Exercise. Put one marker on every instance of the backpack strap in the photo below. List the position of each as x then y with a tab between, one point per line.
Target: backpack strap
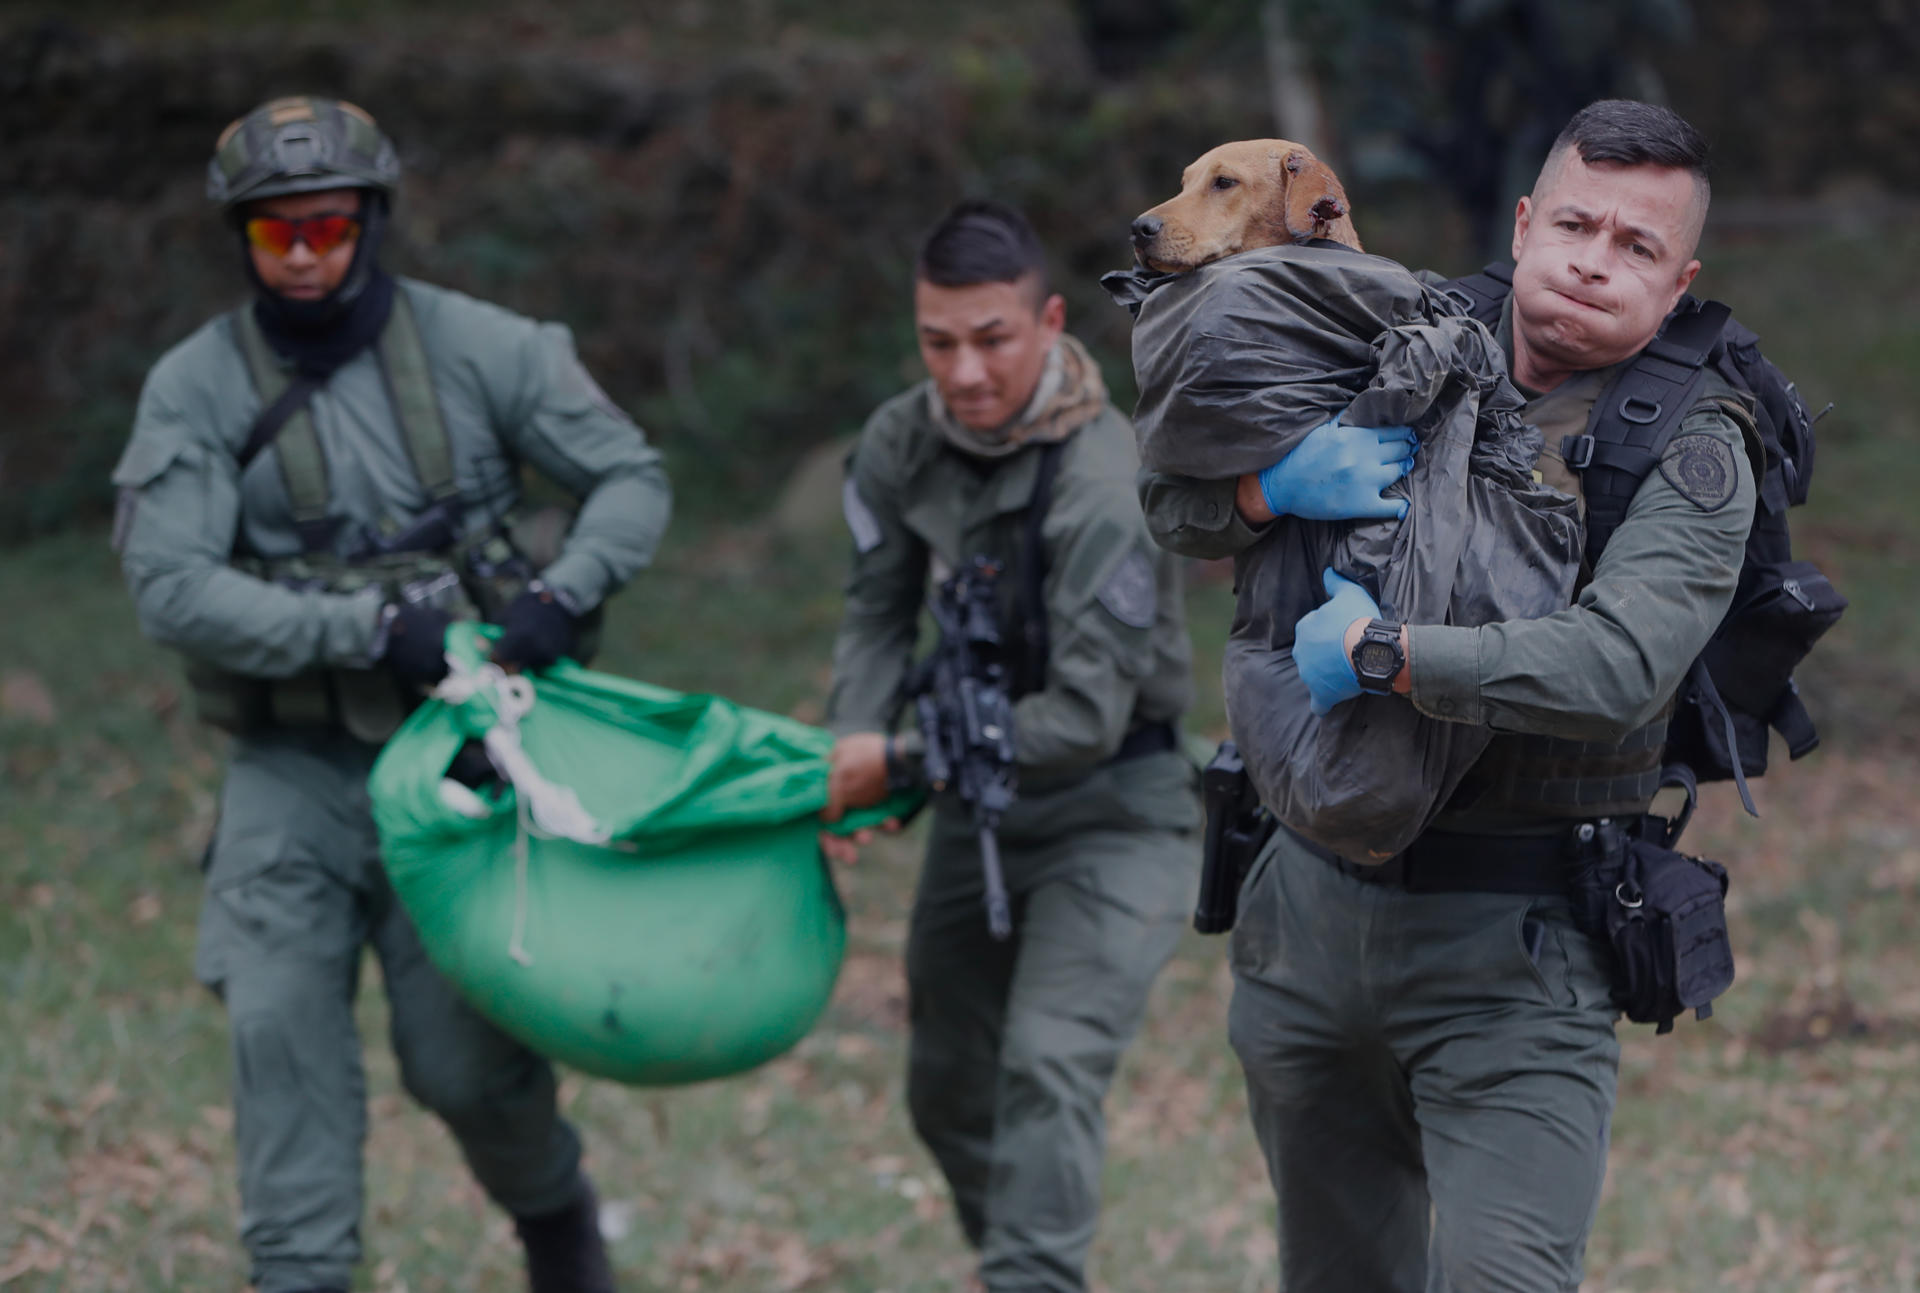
403	362
1636	415
286	423
1033	569
1482	295
1715	705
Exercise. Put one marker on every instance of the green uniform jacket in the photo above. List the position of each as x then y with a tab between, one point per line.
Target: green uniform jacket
918	507
1612	661
510	391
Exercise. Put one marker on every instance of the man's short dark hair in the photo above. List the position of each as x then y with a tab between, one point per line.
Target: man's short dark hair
983	241
1628	132
1635	134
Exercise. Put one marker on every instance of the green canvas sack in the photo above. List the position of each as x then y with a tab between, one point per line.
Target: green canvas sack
643	897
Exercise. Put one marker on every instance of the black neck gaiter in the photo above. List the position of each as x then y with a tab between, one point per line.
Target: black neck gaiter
319	336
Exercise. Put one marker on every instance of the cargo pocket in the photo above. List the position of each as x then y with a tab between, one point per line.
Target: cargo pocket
268	897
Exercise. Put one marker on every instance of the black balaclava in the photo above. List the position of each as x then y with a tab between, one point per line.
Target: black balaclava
319	336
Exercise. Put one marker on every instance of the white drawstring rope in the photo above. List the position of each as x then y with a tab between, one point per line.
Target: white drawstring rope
541	807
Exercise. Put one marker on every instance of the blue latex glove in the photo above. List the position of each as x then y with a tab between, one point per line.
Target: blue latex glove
1338	471
1320	642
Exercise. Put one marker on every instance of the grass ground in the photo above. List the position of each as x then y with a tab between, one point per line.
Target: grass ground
1774	1148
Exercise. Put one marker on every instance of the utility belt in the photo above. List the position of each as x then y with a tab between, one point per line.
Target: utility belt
1148	738
469	579
1661	912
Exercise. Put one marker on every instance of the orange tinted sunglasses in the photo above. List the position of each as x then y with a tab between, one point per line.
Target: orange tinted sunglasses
321	233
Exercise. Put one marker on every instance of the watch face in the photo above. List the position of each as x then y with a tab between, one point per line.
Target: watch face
1375	659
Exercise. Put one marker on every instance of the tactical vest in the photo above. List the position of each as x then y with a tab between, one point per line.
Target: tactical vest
425	560
1525	776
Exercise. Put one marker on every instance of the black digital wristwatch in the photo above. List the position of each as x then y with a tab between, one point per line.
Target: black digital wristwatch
1378	657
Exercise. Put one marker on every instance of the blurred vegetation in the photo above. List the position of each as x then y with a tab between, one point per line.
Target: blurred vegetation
723	197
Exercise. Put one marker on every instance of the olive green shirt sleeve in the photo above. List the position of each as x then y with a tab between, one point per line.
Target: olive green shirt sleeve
550	412
178	512
1101	600
1194	518
885	586
1606	665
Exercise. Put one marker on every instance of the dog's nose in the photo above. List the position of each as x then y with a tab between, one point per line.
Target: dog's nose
1147	228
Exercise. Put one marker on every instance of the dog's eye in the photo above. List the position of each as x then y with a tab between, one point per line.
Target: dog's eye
1224	182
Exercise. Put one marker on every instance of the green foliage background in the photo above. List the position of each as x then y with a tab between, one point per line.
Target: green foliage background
723	197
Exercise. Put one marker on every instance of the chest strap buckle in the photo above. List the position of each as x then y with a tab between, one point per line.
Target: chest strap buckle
1577	451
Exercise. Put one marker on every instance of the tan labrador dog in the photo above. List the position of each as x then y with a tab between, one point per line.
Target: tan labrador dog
1253	193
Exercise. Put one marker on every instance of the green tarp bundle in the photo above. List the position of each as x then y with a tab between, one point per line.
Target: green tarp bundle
644	899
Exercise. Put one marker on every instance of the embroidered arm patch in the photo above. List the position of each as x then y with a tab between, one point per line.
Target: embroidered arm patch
860	518
1701	468
1130	593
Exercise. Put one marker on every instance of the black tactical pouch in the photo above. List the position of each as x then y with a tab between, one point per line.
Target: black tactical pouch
1662	912
1668	927
1742	684
1238	827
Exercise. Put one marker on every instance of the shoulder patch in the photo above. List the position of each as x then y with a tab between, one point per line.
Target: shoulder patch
1701	468
1130	593
860	518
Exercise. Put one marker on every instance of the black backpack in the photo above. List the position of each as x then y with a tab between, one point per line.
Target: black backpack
1742	683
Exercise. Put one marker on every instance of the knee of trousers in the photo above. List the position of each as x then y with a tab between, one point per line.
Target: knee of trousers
1058	1058
291	1022
1515	1255
462	1090
949	1092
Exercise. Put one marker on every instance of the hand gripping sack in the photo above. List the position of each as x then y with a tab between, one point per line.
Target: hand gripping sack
643	897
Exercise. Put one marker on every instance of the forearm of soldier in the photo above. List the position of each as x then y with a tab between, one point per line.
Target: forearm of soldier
615	536
1066	726
1195	518
249	626
1605	666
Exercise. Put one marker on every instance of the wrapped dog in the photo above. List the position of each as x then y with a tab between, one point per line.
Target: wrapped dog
1258	318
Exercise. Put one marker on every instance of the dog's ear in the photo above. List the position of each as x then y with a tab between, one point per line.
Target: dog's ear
1316	205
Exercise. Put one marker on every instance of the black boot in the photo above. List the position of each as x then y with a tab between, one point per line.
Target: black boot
565	1253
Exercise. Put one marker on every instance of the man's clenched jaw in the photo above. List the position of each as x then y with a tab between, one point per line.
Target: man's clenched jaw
1601	253
985	346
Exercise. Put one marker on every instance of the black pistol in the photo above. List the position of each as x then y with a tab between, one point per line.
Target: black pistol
1238	827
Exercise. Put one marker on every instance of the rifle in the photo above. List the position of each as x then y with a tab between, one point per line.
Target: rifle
966	716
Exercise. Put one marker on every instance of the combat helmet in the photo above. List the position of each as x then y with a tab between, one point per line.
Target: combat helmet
298	145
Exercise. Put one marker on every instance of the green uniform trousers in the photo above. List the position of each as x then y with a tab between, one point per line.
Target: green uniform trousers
1014	1044
294	890
1431	1078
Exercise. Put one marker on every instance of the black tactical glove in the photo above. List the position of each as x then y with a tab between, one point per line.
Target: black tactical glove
416	651
536	630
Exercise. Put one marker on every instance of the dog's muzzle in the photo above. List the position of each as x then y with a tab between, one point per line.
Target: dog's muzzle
1146	228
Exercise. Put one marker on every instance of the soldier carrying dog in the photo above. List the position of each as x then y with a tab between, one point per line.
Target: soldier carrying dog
1429	1044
